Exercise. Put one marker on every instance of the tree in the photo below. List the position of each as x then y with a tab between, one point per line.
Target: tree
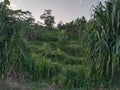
75	28
48	18
59	25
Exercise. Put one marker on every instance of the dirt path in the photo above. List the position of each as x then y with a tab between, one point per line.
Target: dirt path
7	85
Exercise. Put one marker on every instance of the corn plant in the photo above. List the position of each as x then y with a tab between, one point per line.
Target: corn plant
104	40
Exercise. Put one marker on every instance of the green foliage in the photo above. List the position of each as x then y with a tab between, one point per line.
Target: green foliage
70	76
48	18
14	54
60	56
75	76
48	36
74	29
44	69
7	2
104	40
62	36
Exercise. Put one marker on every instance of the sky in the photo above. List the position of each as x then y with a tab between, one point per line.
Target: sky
63	10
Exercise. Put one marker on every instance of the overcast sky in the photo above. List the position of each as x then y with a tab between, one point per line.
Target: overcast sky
63	10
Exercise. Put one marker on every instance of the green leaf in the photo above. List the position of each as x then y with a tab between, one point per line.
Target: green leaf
11	12
17	11
7	2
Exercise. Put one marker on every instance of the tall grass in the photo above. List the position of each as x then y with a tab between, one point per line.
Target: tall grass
44	69
14	54
65	76
104	39
76	76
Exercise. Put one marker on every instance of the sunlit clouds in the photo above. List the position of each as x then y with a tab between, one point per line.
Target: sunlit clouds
12	5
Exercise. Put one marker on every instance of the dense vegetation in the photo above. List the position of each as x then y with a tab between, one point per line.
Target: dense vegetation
79	54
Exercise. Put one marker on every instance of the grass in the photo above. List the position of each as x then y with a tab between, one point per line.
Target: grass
58	61
104	41
74	71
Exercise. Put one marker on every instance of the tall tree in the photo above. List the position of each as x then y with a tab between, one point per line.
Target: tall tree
48	18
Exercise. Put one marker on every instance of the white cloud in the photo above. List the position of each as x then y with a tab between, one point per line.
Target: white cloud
12	5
